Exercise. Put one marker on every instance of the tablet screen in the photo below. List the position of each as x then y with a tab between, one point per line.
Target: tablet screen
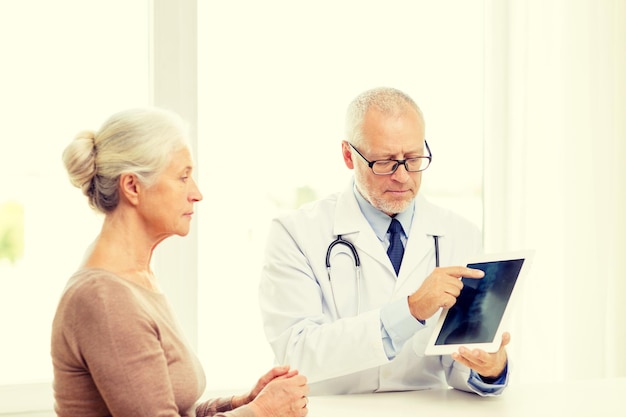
479	308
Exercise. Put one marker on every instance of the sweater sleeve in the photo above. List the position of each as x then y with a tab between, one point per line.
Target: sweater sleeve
121	348
222	407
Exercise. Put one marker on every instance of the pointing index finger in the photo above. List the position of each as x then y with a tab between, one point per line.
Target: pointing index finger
463	272
472	273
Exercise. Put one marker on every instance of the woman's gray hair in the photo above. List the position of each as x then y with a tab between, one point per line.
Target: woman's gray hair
138	141
387	100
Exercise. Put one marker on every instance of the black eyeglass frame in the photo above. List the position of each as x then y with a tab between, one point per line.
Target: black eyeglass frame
397	161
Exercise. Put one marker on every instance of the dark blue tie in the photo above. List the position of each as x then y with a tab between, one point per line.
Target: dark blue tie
396	250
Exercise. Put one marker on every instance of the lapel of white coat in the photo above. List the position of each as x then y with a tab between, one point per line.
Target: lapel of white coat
350	223
426	223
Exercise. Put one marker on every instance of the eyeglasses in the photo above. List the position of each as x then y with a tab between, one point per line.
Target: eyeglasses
389	166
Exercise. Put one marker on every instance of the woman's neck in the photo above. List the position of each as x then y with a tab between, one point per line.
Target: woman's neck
125	252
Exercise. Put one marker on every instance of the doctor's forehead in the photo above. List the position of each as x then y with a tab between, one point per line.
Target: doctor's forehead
403	135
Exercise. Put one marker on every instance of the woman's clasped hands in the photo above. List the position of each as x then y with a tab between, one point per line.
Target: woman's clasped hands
281	392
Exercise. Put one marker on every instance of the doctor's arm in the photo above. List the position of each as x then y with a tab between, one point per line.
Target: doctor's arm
298	319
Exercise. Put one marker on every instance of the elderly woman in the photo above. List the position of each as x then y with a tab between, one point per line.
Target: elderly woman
116	347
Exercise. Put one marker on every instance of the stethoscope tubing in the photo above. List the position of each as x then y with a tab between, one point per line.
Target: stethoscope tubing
357	264
341	241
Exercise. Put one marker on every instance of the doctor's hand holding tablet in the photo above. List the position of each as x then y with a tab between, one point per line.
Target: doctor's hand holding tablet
471	325
440	290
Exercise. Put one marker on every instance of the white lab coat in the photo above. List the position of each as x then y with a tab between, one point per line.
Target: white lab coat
339	351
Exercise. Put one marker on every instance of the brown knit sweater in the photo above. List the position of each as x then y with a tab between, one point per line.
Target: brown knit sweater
117	351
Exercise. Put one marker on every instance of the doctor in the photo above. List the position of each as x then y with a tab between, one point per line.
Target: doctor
333	303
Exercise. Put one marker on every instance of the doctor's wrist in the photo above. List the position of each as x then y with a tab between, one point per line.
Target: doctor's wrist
415	311
499	379
489	380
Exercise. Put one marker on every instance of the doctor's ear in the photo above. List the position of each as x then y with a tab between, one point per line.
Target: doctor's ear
347	154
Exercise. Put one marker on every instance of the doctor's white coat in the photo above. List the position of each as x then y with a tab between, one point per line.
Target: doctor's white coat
312	322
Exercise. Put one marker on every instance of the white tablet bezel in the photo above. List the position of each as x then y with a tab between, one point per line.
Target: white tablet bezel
493	345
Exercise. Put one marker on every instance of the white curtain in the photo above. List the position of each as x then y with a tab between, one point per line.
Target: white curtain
555	179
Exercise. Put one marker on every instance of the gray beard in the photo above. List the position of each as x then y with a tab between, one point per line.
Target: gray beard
391	208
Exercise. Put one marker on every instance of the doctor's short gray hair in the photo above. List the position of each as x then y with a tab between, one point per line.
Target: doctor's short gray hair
386	99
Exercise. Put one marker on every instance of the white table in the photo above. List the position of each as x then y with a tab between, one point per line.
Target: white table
588	398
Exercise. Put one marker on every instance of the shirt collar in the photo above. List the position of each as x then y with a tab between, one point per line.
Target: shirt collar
379	221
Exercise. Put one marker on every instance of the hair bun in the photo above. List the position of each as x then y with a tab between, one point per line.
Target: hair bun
87	135
79	158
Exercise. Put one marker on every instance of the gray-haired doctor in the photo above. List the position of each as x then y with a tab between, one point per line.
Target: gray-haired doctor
352	284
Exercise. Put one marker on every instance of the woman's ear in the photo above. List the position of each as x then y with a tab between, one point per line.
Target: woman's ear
130	188
347	154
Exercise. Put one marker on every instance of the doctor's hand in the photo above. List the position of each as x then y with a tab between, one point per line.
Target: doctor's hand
488	365
279	393
440	290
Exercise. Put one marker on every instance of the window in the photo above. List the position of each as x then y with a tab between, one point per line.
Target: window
60	75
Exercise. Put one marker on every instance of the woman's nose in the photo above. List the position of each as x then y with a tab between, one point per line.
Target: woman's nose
196	195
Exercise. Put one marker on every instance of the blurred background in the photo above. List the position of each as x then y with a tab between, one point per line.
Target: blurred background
525	105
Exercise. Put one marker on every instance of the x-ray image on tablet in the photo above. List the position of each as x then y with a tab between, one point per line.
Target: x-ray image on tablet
477	317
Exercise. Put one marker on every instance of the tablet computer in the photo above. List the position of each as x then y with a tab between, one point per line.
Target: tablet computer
480	313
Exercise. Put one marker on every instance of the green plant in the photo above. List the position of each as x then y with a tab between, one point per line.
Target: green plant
11	231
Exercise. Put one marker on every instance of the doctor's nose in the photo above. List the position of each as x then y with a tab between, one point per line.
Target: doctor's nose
400	174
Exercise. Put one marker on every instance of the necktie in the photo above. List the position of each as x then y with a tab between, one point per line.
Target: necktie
395	250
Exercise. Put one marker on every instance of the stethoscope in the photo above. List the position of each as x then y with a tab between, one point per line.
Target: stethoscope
357	265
